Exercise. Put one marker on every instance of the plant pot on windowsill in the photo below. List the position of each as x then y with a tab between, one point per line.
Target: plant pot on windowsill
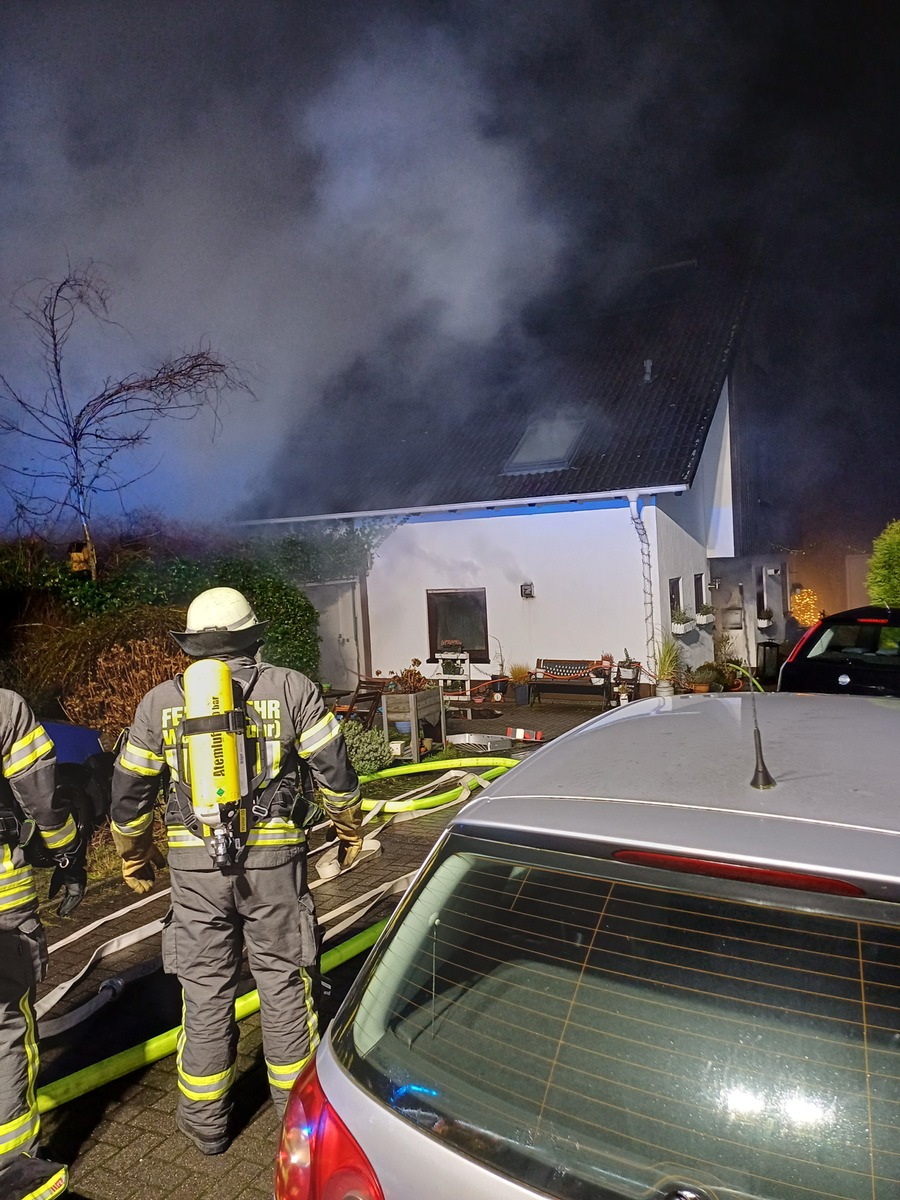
681	627
706	619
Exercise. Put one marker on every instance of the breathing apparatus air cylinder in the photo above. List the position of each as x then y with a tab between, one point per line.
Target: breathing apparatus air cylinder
213	732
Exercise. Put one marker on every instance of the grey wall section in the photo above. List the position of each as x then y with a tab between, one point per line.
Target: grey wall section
338	606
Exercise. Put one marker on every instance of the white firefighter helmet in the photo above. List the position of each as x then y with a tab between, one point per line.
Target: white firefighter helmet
220	621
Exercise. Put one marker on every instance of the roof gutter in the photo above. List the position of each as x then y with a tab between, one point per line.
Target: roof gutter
471	506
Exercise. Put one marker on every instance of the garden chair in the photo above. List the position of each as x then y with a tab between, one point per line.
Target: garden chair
365	702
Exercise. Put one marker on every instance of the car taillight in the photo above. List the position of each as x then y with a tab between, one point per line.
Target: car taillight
803	640
318	1158
740	872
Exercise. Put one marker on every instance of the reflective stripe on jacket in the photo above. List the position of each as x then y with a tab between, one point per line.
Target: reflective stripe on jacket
29	778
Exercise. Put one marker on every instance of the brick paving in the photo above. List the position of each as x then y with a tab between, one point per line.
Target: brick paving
120	1140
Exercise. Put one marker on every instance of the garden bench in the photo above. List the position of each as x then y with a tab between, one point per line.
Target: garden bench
570	677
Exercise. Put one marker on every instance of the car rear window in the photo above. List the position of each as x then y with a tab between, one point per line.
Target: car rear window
874	644
591	1035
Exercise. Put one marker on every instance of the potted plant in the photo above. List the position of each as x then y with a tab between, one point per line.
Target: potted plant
668	666
626	666
735	673
409	680
410	699
520	678
450	657
706	677
706	614
682	621
765	619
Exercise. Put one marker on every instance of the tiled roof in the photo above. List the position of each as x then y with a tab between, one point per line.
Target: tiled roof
638	434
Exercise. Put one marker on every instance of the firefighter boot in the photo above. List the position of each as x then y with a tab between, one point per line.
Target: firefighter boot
206	1145
27	1178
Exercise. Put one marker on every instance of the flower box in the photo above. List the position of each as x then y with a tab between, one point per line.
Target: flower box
679	627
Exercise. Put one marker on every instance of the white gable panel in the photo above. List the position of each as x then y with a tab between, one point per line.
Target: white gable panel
713	483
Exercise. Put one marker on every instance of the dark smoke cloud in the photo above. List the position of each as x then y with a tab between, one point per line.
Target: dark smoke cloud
430	195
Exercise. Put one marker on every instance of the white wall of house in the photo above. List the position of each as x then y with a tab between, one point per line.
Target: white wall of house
691	527
584	562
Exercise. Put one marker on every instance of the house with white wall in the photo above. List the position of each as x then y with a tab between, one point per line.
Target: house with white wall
562	522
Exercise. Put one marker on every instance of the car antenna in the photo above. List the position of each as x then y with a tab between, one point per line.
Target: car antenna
761	776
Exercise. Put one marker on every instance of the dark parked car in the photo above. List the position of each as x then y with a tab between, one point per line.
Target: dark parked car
855	652
624	972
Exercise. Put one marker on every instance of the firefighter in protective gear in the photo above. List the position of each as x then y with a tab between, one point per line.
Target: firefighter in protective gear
31	807
242	883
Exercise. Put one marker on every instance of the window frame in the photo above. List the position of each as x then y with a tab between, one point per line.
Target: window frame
477	654
699	590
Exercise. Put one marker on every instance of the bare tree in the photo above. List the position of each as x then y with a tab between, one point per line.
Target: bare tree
79	440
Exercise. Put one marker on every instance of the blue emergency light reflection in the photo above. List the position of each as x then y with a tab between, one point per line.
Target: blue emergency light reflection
411	1088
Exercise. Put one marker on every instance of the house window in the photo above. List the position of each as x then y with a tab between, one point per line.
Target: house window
699	591
546	445
674	594
459	614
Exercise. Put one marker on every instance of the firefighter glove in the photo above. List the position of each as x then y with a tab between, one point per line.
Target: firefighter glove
69	876
139	856
348	827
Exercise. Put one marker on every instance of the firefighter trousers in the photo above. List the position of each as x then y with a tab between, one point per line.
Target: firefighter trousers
23	963
214	916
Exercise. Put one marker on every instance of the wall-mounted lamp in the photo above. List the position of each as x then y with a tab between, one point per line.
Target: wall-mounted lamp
715	583
526	591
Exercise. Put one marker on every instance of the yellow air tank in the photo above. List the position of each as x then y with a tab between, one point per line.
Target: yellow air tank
214	758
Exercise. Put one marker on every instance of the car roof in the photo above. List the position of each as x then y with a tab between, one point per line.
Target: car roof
866	612
675	774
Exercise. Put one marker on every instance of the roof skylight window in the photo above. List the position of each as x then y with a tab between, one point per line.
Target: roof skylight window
546	445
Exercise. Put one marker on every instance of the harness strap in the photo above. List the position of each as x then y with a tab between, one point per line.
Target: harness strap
230	722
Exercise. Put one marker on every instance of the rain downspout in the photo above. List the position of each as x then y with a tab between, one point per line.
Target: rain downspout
646	579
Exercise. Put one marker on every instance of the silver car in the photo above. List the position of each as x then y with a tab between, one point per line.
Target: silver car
626	972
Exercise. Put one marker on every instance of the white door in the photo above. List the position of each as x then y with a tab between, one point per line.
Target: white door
337	606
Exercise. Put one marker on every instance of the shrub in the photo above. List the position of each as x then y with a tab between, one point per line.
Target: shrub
883	579
55	658
368	750
58	623
123	675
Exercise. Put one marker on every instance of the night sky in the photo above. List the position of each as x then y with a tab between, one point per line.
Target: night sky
304	185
